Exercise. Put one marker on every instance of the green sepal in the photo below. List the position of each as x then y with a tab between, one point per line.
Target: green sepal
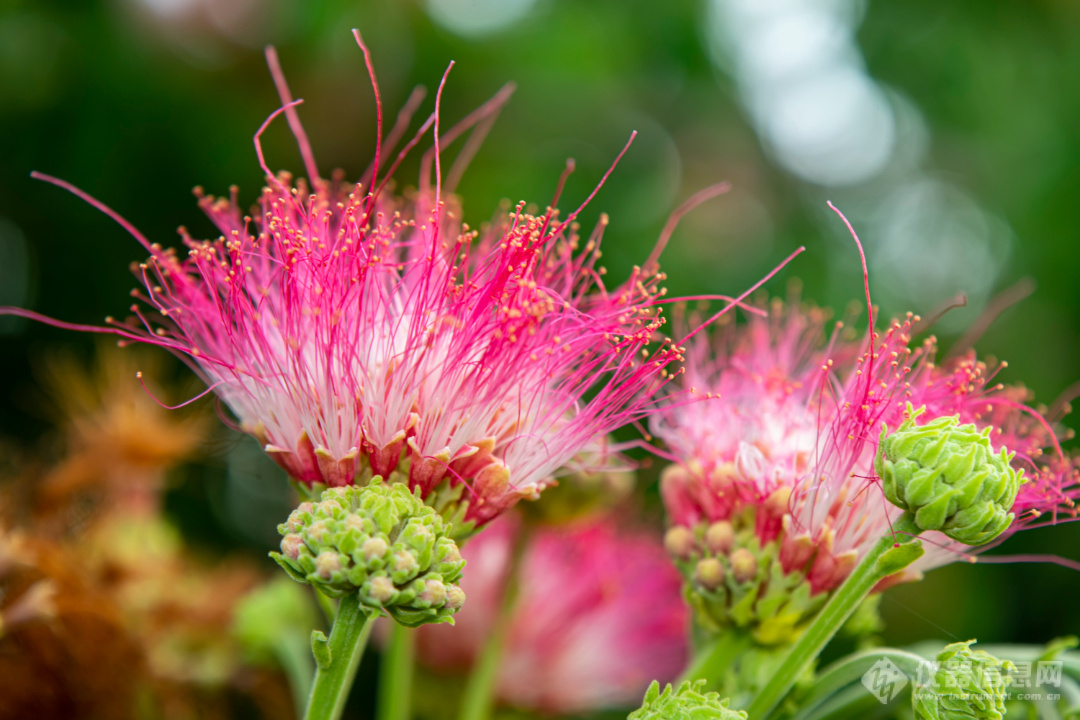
288	567
897	558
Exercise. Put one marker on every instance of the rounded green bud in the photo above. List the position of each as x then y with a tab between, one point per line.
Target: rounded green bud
720	537
380	541
963	684
328	565
709	573
380	589
290	545
744	565
374	549
434	593
948	477
455	597
686	703
680	542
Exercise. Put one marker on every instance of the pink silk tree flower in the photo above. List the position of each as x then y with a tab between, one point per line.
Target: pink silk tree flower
357	333
774	486
597	616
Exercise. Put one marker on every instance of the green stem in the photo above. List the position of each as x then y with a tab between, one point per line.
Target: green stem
712	662
326	604
293	653
352	626
856	703
396	675
847	671
837	610
478	698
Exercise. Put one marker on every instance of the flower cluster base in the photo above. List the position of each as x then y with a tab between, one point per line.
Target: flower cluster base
380	541
733	579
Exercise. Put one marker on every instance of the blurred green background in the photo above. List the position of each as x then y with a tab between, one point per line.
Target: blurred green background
947	131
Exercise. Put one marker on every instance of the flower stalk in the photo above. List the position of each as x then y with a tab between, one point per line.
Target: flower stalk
889	555
479	696
396	675
332	683
711	662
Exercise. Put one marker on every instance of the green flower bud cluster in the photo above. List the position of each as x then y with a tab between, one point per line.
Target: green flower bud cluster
731	579
686	703
948	477
964	684
450	500
380	541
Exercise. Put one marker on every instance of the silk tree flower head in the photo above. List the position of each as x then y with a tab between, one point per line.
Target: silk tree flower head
358	333
596	617
774	498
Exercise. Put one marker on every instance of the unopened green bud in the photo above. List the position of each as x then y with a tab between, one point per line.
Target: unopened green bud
720	537
455	597
709	573
290	546
317	532
686	703
679	542
380	541
448	557
434	593
299	517
403	567
948	477
743	565
963	684
327	563
374	549
381	589
356	522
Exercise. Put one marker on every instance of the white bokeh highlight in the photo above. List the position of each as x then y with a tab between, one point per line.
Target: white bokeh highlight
802	81
477	18
804	84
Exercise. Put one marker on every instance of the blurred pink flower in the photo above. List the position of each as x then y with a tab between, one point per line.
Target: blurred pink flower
598	615
789	425
351	330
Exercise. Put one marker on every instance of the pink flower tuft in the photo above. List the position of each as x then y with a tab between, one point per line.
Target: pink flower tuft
598	616
790	422
352	331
